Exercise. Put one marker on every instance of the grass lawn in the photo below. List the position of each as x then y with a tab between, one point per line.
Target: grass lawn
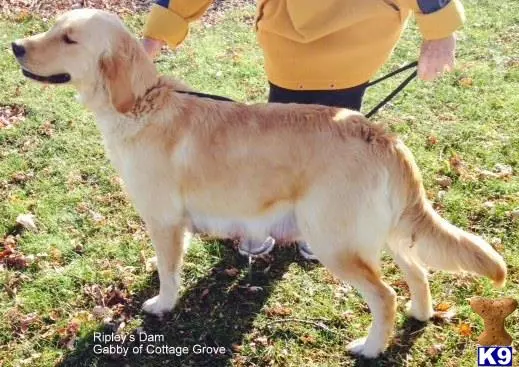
84	269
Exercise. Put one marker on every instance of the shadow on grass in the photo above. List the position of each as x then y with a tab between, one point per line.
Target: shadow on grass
216	311
400	347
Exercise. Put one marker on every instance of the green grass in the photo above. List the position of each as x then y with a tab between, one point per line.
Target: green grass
79	255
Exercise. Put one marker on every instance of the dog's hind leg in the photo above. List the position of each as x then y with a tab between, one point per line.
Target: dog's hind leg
415	276
365	275
168	242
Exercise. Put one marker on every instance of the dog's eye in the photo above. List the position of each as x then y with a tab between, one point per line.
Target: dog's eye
67	40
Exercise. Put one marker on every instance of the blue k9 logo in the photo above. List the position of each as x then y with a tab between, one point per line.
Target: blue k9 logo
494	356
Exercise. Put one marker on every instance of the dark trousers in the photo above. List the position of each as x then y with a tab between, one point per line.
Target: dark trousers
347	98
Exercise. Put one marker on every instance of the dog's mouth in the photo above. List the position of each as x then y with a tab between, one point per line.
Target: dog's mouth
51	79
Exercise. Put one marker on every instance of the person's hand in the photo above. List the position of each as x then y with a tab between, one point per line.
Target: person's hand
152	46
436	57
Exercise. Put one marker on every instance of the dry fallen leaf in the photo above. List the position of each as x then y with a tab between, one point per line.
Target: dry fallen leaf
96	217
444	181
278	311
231	272
261	340
47	129
205	292
237	348
307	339
68	334
465	82
11	115
100	312
434	350
27	221
21	177
443	306
465	329
10	241
55	254
15	261
504	170
431	140
27	321
115	297
254	289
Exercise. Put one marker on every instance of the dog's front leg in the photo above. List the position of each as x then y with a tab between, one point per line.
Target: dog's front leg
168	243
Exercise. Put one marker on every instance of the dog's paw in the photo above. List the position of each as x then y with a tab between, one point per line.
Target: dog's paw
422	313
157	306
359	348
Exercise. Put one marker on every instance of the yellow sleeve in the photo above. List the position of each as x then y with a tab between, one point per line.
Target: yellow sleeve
169	20
441	23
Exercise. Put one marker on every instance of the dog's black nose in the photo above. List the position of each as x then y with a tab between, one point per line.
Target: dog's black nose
18	50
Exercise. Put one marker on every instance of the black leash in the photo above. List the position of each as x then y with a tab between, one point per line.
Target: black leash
368	115
205	95
397	90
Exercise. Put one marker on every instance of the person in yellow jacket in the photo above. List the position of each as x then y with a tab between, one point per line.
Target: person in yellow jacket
324	52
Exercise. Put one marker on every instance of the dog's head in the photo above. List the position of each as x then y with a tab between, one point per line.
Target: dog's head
90	49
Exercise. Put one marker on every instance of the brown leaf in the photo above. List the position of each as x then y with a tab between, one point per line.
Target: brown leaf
465	82
237	348
261	340
79	249
434	350
204	294
15	261
20	177
278	311
68	334
431	140
443	306
55	314
307	339
100	312
27	321
114	297
55	254
444	181
10	241
8	250
231	272
11	115
456	163
465	329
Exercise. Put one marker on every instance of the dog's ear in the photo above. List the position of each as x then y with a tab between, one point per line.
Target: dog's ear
116	69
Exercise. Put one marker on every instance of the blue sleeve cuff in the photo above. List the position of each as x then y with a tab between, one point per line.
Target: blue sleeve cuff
430	6
163	3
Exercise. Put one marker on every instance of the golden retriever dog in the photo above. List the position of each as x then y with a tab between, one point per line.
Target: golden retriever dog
294	172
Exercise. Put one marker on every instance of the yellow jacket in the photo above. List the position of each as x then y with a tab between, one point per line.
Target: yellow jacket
317	44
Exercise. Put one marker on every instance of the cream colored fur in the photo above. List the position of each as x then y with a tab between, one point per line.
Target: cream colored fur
297	172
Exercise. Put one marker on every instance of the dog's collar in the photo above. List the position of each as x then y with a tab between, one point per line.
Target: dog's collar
53	79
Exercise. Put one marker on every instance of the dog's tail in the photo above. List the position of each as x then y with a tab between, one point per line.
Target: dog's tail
436	242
